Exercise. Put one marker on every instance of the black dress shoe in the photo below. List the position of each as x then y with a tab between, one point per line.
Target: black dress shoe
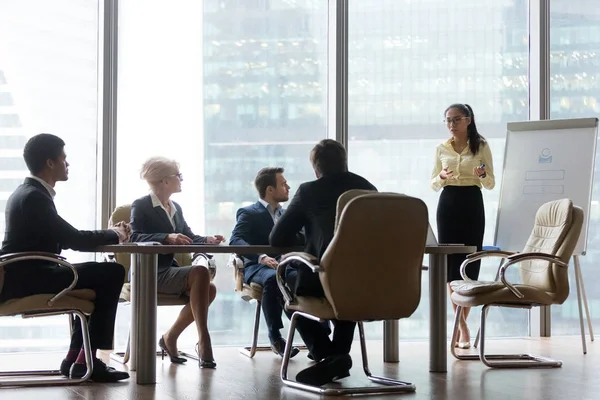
278	347
174	358
101	372
65	367
204	363
328	370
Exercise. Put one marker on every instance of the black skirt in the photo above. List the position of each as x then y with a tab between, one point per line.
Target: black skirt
461	219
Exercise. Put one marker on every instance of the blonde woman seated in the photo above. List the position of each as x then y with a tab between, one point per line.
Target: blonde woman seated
156	218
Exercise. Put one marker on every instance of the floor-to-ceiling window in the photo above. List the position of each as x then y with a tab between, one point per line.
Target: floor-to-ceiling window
408	61
575	93
48	83
225	88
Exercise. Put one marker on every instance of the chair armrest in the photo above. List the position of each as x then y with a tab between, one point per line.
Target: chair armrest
480	255
537	256
6	257
305	258
235	261
517	258
42	256
490	253
207	261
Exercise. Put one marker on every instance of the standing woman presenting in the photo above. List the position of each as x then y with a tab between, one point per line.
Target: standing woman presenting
463	164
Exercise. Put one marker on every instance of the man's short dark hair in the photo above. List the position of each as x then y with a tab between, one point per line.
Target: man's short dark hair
41	148
266	177
329	157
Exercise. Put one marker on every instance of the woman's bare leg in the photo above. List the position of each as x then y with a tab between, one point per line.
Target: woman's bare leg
202	292
185	317
463	329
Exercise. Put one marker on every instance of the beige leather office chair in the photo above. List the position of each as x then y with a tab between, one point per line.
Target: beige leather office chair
68	301
123	214
543	266
364	280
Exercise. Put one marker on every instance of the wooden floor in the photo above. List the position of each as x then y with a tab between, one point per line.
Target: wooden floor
238	377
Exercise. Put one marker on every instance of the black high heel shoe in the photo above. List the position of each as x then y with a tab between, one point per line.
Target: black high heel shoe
204	363
174	359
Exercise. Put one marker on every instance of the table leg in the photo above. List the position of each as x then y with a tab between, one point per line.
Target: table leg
145	341
391	352
437	313
133	327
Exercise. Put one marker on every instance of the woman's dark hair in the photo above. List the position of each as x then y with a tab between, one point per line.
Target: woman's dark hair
475	139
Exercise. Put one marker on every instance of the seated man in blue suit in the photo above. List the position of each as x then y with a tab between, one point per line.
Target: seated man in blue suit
253	226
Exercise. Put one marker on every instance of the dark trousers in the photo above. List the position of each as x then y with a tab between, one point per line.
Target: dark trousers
461	219
272	300
106	279
315	334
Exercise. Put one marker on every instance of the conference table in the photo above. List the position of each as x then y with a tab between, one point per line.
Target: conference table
144	260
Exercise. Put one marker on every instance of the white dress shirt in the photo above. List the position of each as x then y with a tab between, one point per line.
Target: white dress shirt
49	188
156	203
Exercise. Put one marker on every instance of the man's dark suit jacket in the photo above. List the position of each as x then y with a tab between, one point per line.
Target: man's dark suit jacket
314	208
151	224
33	224
253	226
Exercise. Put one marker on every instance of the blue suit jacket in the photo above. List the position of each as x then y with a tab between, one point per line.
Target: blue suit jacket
151	224
253	227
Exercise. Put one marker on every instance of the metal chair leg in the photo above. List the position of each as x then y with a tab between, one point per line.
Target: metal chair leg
249	351
122	357
476	343
499	360
388	385
30	375
454	339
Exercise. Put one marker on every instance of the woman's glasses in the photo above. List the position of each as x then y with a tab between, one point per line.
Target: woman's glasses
178	175
455	120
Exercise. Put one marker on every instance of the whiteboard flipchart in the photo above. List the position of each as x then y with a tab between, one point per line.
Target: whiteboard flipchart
544	161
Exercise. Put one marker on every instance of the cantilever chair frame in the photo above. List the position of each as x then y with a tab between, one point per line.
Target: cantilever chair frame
503	360
42	256
486	254
235	261
390	385
581	296
249	351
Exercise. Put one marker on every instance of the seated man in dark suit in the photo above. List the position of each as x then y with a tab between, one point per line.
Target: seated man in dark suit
314	209
33	224
253	226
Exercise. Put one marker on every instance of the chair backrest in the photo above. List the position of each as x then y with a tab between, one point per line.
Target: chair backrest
372	267
344	199
556	231
123	214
